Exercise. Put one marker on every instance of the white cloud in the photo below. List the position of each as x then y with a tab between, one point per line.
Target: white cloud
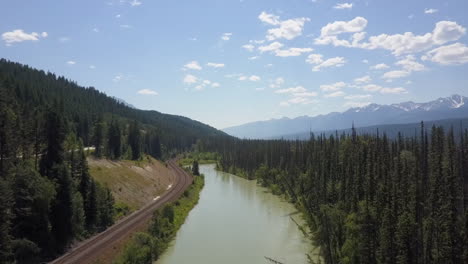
364	79
274	46
96	30
254	78
215	85
253	57
259	89
92	67
384	90
249	47
332	87
118	16
410	64
334	94
343	6
352	104
190	79
444	31
70	62
125	26
292	52
135	3
372	88
329	33
320	63
287	29
269	18
305	94
242	78
454	54
291	90
395	74
193	65
358	97
398	90
365	61
275	84
199	87
18	35
215	65
380	66
226	36
398	44
147	92
430	11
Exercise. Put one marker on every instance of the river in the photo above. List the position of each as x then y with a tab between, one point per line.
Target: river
237	221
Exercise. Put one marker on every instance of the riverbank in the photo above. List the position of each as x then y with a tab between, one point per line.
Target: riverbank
147	246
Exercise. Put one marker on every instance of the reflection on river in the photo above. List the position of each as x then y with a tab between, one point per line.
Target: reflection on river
237	221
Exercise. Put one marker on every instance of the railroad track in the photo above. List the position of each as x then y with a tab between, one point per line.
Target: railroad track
90	250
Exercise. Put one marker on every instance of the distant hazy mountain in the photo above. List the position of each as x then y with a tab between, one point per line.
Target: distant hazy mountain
453	107
391	130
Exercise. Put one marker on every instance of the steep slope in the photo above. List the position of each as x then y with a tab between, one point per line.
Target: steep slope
455	106
37	90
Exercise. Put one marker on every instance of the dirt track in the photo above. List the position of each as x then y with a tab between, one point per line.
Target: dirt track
90	250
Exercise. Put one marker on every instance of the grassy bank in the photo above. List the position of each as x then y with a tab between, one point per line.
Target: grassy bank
146	247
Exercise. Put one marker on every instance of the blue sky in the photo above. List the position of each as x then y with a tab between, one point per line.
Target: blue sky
227	62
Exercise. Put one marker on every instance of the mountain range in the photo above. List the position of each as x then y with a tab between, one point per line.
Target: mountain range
453	107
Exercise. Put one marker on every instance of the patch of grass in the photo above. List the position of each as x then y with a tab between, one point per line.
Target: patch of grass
202	157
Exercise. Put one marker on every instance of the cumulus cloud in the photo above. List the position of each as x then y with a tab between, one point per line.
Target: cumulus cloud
398	44
320	63
226	36
395	74
287	29
70	62
364	79
332	87
253	78
193	65
272	47
18	35
215	85
298	95
215	65
380	66
454	54
343	6
190	79
253	57
410	64
147	92
292	52
292	90
329	33
249	47
269	18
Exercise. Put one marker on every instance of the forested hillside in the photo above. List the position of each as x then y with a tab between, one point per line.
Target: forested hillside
369	199
48	200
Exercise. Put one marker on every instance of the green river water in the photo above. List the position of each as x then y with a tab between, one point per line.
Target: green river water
237	221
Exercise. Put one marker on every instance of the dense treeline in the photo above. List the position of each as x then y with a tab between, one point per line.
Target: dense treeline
369	199
47	196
